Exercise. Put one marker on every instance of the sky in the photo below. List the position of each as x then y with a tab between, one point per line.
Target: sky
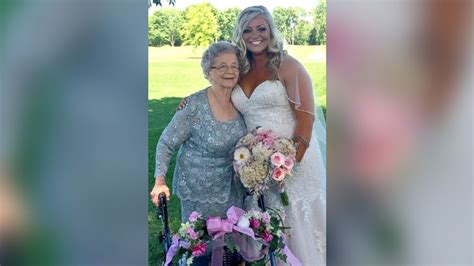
223	4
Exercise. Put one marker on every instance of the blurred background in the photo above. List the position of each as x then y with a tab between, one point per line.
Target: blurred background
399	82
74	132
73	176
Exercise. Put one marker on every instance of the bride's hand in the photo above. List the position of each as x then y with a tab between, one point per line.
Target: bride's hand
182	104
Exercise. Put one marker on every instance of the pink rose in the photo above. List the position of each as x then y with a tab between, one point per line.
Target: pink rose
263	132
265	135
199	249
254	223
192	234
278	174
268	141
278	159
288	164
266	217
194	216
266	236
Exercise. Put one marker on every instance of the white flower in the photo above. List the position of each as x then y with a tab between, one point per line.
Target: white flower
243	222
268	227
255	214
183	230
261	152
279	233
246	139
189	261
284	146
253	173
241	154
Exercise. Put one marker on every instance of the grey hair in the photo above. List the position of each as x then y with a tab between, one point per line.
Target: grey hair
216	49
275	48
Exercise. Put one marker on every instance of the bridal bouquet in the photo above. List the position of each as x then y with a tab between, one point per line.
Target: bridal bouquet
192	239
262	159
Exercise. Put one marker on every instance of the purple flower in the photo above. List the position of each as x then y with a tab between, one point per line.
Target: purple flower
289	163
266	217
192	234
194	216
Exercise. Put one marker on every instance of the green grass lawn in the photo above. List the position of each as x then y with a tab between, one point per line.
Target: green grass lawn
175	72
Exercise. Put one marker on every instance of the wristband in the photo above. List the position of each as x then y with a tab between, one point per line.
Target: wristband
300	139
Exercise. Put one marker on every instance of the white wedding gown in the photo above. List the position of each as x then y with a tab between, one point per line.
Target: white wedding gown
268	107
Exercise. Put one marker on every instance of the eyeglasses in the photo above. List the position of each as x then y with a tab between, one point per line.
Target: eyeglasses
223	68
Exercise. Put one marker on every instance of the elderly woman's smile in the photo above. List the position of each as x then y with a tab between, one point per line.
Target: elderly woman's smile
225	71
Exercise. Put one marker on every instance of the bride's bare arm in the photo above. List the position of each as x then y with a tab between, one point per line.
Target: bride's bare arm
303	131
300	94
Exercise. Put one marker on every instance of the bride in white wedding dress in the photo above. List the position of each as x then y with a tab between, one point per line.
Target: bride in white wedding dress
269	108
276	93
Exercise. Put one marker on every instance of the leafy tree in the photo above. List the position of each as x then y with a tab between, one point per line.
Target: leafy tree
226	20
312	39
320	22
302	32
155	37
285	17
200	27
164	26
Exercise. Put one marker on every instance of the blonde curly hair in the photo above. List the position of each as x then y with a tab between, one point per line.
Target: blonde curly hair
275	48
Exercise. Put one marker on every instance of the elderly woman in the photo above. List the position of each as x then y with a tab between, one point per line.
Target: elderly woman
207	130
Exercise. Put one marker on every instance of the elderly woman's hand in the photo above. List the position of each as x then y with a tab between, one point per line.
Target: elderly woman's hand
160	187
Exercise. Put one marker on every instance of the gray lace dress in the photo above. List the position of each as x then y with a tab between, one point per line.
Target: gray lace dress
203	177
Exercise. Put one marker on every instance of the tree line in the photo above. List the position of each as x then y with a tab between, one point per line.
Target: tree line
202	24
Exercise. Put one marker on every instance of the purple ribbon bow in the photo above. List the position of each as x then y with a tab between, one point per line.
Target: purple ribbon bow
217	228
176	243
290	257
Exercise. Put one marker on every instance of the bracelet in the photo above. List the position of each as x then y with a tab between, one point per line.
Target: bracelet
300	139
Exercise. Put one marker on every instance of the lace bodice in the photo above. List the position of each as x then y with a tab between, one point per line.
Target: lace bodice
268	107
204	163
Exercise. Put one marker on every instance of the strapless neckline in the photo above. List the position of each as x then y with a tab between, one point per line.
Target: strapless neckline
256	88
